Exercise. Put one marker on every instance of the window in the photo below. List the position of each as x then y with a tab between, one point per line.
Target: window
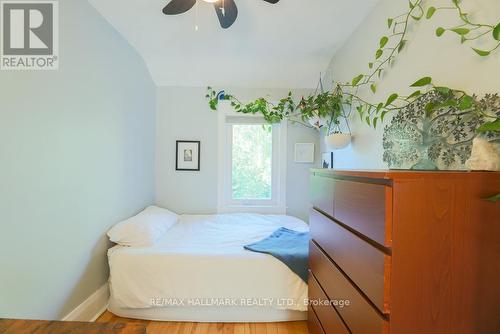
252	157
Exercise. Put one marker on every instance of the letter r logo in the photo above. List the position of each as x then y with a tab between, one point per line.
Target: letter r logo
27	28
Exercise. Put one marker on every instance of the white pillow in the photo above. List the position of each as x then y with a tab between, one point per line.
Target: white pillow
144	229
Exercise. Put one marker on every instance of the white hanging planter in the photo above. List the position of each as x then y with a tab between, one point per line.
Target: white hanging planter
337	141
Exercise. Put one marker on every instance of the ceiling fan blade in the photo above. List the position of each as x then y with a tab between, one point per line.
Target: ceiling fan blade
228	14
272	1
178	6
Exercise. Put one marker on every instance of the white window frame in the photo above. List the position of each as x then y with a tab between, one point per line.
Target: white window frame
225	203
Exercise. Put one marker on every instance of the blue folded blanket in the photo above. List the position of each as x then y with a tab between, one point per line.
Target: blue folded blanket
288	246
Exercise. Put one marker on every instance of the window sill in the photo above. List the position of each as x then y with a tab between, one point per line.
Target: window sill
262	209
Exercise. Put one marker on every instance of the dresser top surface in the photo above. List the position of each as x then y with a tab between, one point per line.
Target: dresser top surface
404	174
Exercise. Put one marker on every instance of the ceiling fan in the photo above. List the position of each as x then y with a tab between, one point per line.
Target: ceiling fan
226	9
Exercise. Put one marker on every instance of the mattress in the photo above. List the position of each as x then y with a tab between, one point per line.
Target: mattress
199	271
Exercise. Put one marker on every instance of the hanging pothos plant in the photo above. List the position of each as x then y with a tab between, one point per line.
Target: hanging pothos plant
330	105
314	111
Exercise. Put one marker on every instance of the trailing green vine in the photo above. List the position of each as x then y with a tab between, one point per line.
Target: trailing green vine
388	50
325	105
331	105
469	30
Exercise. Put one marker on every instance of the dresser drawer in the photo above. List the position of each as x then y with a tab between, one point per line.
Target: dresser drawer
322	193
313	323
367	266
362	206
359	315
328	317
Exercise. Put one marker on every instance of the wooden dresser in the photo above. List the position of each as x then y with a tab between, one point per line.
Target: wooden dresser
404	252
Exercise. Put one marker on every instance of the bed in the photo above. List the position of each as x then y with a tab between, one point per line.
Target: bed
199	271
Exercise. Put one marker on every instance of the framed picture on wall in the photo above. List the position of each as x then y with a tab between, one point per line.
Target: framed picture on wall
304	152
187	155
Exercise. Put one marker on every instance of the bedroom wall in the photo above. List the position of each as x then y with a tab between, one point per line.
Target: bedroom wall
76	156
445	59
183	113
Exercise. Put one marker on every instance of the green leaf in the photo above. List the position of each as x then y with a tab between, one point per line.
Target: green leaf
378	54
451	102
494	198
429	108
367	119
466	102
482	53
379	74
213	104
379	107
414	94
360	111
389	22
383	41
461	31
496	32
440	31
411	4
401	45
443	90
382	115
391	99
430	12
373	87
490	126
375	122
357	79
370	65
422	82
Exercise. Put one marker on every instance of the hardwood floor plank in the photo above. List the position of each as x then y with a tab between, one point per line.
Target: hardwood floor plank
161	327
106	317
18	326
239	328
271	328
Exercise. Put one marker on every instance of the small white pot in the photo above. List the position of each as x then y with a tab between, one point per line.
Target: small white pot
337	141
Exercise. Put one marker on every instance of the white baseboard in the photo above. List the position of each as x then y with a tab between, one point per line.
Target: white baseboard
92	307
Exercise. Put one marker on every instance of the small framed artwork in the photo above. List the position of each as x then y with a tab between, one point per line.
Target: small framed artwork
187	155
327	160
304	152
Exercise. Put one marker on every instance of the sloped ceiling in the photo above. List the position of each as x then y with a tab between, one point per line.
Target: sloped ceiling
285	45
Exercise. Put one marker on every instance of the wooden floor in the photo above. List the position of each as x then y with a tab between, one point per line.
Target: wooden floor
160	327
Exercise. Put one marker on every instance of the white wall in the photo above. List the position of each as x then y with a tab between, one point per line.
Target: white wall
76	156
183	114
444	59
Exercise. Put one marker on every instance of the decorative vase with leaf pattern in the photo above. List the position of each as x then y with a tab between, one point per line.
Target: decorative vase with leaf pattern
436	131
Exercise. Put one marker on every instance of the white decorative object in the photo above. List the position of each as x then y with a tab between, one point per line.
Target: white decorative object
304	152
338	141
484	156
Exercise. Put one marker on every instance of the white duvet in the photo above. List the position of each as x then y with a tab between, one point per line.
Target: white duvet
201	262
